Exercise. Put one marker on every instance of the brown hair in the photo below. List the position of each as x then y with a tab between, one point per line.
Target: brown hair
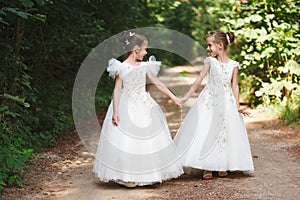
131	39
220	36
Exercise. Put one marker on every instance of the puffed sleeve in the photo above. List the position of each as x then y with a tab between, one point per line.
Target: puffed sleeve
207	60
114	67
153	66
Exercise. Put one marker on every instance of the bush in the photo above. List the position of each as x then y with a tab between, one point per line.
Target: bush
268	35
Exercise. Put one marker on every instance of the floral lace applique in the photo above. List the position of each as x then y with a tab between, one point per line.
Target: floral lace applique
222	136
209	97
145	96
134	86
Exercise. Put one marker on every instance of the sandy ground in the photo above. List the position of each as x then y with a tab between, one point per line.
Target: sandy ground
65	172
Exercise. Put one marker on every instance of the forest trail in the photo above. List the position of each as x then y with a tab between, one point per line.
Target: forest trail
65	172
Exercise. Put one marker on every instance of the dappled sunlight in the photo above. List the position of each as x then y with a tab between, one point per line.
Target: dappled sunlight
84	185
258	115
262	123
85	158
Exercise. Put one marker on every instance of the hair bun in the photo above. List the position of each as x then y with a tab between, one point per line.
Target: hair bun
231	36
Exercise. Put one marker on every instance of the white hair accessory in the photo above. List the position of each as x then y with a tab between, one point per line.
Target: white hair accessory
131	34
227	37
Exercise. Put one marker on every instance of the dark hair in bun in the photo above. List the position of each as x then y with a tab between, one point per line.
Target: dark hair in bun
220	36
131	39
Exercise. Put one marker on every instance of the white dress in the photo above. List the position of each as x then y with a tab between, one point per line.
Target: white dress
140	149
213	135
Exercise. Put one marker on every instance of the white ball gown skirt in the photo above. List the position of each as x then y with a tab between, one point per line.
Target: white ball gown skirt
140	150
213	135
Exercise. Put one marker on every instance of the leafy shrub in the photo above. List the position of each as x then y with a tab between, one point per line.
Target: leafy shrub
268	34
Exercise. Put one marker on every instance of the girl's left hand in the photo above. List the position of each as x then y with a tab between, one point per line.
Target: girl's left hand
244	112
177	102
182	101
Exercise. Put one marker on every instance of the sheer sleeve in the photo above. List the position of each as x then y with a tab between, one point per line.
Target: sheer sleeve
114	67
153	66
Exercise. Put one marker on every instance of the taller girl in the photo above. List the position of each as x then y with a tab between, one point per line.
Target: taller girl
135	146
213	136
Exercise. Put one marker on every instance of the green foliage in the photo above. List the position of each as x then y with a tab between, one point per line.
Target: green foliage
193	18
287	109
13	160
290	111
269	36
104	92
14	151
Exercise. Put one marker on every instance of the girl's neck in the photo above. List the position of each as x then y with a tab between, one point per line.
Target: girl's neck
223	57
133	61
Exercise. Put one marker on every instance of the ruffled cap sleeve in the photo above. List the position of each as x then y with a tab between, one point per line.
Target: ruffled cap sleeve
207	60
114	67
236	64
153	66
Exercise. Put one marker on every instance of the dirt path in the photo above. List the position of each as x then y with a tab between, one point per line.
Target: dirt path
65	172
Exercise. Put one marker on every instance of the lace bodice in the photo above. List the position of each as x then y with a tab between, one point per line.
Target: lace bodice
219	84
220	73
133	77
134	83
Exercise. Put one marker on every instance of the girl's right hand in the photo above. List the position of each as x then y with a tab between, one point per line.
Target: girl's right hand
115	119
182	101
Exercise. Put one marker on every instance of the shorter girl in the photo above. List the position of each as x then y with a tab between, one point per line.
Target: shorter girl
213	136
135	146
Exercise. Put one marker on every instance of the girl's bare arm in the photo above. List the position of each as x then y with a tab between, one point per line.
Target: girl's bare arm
163	88
236	91
116	100
197	83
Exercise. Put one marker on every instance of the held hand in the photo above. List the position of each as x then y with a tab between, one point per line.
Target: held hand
244	112
115	119
177	102
182	101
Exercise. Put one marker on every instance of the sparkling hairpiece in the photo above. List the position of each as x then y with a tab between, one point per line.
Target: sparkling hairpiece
227	37
131	34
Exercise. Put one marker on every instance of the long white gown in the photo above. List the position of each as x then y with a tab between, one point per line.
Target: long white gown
213	135
140	150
